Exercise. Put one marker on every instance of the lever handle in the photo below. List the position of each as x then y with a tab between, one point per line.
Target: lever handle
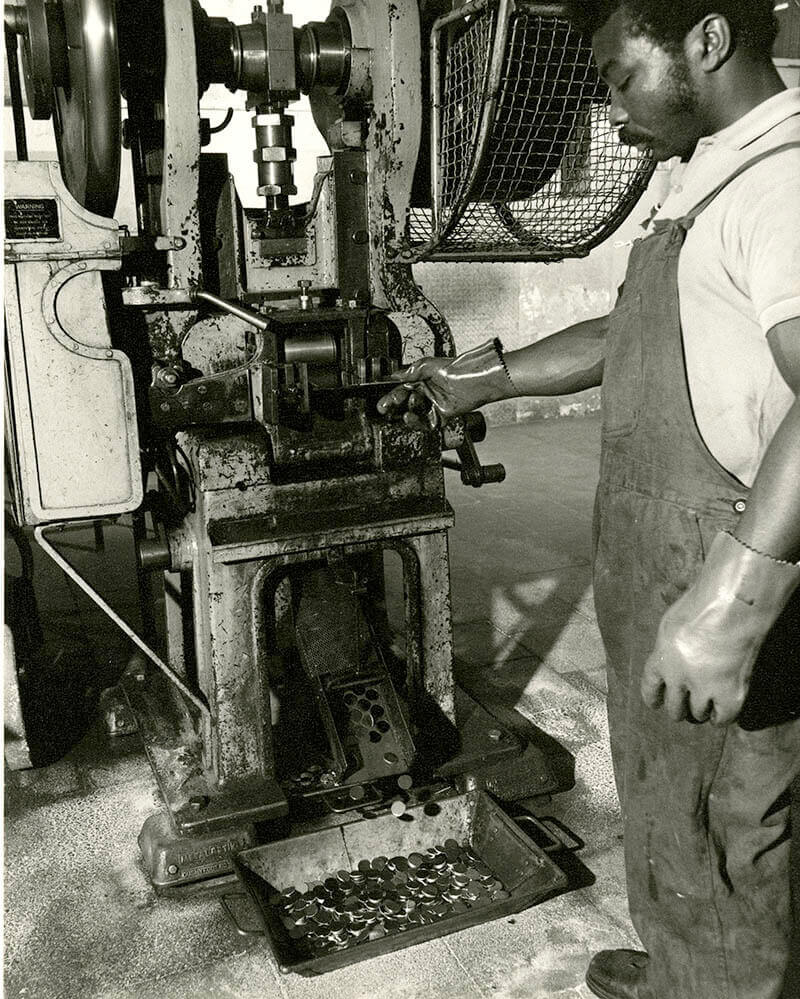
493	473
472	472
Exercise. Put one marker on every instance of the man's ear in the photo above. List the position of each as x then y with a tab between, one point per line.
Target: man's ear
709	44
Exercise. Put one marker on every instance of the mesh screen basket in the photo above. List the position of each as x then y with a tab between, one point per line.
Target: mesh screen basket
524	164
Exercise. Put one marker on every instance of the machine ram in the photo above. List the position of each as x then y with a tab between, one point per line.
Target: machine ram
214	375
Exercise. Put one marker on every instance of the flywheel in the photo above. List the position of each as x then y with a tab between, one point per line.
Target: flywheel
70	55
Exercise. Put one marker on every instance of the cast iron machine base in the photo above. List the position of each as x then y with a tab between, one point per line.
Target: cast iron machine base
321	695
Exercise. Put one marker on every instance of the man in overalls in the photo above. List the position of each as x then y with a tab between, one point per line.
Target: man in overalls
697	529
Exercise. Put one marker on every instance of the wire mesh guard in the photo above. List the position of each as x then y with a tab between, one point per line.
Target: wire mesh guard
537	173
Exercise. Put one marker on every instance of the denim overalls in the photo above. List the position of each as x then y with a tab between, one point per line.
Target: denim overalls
706	809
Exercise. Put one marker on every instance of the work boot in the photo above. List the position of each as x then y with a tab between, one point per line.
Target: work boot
619	974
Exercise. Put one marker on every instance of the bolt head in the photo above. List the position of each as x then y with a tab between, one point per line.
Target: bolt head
119	722
274	154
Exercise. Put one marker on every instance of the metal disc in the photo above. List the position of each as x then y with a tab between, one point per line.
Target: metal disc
86	113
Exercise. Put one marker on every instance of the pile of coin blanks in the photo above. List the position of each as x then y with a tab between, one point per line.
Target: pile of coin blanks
308	778
387	895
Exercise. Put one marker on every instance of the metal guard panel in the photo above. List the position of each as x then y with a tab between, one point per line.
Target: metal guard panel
70	395
72	403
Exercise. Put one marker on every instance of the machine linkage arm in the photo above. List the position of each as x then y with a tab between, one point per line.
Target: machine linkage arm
462	436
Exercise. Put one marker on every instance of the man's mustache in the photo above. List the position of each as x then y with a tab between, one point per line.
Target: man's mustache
629	137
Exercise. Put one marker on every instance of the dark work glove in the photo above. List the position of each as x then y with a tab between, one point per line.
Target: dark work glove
708	640
435	389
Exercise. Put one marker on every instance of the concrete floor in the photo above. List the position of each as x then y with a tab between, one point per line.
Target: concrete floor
80	917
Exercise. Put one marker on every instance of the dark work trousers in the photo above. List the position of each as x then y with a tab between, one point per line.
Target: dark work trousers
706	809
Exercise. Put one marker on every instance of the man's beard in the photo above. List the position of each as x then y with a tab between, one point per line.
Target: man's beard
679	106
681	98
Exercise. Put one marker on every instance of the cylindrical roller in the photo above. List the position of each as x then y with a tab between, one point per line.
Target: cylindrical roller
218	49
251	71
319	349
323	53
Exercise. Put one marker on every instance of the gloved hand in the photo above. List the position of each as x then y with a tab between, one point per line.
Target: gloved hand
444	387
709	639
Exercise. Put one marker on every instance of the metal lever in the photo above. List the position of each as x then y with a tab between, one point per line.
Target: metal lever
234	308
358	389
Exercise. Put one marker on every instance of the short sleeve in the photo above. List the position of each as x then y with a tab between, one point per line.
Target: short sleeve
768	223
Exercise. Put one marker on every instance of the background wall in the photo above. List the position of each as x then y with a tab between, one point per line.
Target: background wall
519	303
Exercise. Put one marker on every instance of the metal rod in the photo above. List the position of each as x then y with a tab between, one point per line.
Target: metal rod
512	255
61	562
459	13
436	102
241	311
18	112
543	9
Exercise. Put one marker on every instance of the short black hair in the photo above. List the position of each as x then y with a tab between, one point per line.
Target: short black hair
752	22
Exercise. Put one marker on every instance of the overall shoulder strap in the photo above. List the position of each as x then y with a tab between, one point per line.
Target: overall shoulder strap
702	205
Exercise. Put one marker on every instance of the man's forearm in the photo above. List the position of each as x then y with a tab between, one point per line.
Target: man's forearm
771	523
565	362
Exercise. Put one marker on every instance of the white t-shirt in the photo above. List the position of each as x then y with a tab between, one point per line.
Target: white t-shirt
738	276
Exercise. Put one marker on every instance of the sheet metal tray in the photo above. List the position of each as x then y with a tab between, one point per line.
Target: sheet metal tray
474	819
